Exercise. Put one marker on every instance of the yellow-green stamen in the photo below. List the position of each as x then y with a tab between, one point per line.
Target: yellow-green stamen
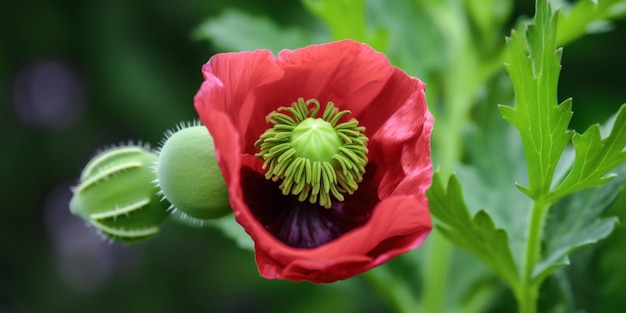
314	157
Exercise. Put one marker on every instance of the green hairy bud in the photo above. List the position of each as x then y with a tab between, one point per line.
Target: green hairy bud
189	176
117	195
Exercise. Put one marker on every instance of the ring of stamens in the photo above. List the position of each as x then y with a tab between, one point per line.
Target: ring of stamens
314	157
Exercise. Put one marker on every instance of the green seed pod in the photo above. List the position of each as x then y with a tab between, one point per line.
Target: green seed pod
189	176
318	159
117	195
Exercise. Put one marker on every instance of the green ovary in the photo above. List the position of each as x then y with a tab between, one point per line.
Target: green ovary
315	139
316	159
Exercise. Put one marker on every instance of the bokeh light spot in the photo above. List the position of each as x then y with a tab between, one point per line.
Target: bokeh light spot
49	94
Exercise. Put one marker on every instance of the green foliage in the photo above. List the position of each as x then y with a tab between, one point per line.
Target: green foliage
587	16
477	234
540	120
517	227
239	31
610	256
419	53
576	221
495	163
595	157
542	124
347	19
489	16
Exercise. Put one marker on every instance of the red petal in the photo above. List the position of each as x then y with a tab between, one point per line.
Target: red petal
399	126
398	225
230	81
348	73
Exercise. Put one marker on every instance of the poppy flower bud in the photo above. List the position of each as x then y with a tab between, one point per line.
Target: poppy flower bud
117	196
189	176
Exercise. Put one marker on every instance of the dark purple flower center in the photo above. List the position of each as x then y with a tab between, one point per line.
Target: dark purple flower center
302	224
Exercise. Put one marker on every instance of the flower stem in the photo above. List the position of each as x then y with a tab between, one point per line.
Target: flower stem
528	291
436	274
448	138
395	292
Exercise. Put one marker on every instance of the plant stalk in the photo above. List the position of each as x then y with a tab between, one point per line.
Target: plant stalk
528	291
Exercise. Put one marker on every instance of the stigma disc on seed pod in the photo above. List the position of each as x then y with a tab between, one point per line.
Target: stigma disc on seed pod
190	178
116	195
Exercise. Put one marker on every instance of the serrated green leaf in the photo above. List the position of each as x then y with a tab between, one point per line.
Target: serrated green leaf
595	157
575	222
495	165
238	31
540	120
477	235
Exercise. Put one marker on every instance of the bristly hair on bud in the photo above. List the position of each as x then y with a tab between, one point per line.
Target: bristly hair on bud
188	176
314	157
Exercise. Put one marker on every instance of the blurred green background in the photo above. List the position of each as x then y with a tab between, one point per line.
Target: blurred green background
76	76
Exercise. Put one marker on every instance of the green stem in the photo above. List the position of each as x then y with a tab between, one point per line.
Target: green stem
448	136
528	291
436	273
396	292
458	98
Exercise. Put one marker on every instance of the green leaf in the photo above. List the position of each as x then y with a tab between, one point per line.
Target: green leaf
238	31
347	19
595	157
489	15
576	221
540	120
419	54
472	286
611	274
494	161
588	16
495	165
477	235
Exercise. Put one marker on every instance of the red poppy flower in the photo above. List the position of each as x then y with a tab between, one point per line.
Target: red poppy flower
386	216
